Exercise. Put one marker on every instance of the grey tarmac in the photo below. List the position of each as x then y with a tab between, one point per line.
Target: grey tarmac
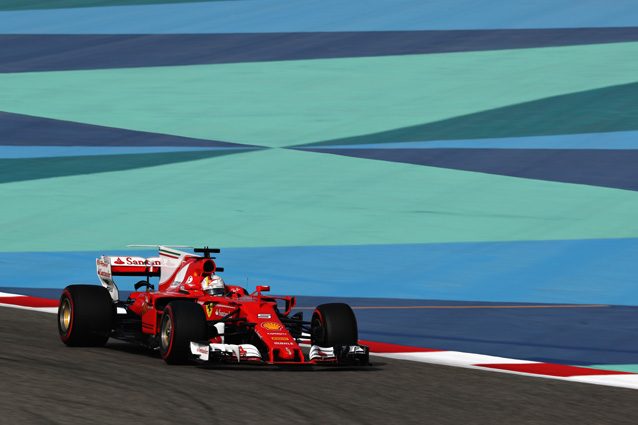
44	382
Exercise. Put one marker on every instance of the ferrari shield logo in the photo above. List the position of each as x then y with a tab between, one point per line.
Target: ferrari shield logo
209	310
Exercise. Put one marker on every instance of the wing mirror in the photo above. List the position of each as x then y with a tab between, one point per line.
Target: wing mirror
259	289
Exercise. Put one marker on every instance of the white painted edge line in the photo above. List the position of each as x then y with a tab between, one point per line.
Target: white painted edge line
453	358
624	381
53	310
469	361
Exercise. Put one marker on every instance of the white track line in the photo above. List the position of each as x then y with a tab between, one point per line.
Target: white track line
471	361
453	358
53	310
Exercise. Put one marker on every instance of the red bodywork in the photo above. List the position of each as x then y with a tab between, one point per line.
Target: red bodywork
255	318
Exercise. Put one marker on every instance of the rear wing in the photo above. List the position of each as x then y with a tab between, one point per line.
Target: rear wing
129	266
107	267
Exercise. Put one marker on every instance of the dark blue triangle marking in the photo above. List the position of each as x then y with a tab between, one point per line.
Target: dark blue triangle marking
24	53
26	130
596	167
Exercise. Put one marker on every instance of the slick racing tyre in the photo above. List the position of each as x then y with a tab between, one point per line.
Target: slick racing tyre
182	322
333	325
85	315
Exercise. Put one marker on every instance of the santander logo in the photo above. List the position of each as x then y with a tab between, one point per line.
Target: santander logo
135	261
141	262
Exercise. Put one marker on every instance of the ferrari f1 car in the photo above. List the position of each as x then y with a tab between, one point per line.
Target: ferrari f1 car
185	320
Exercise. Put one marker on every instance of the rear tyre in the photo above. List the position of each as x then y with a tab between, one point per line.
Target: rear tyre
182	322
85	316
333	324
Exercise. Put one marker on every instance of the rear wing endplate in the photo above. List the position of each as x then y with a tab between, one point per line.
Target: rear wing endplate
107	267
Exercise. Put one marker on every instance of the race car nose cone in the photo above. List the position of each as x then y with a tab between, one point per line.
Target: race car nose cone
286	354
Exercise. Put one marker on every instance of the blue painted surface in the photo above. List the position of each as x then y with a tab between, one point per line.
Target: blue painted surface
577	271
329	15
568	335
23	53
557	271
54	151
619	140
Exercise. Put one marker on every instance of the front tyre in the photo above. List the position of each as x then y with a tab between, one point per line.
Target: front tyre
182	322
85	316
333	325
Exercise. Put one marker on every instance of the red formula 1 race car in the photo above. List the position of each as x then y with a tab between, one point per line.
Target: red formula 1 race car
194	315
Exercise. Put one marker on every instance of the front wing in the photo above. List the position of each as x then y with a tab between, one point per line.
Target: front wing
346	355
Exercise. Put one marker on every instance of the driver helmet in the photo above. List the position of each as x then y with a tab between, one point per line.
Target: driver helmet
214	285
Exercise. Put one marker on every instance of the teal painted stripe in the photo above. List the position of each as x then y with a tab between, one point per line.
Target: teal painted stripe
621	140
613	108
281	197
20	169
620	367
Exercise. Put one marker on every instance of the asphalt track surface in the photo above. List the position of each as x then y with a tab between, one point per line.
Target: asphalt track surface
44	382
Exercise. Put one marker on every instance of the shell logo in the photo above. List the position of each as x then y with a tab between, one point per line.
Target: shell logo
271	326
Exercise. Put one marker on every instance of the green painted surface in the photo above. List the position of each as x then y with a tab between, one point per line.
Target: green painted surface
281	197
60	4
12	170
593	111
297	102
621	367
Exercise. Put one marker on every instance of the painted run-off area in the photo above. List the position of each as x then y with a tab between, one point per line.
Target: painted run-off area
315	223
297	102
